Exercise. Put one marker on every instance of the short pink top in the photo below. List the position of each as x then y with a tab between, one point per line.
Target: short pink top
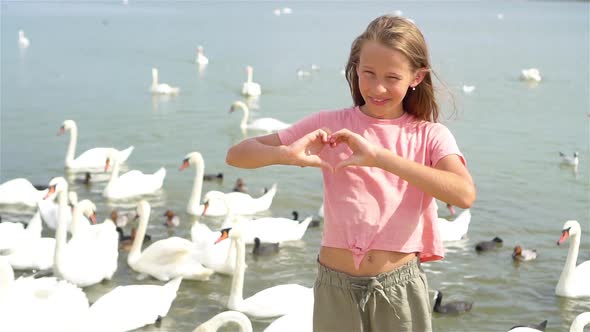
367	207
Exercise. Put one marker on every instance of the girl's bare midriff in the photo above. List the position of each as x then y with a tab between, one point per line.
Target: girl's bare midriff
374	262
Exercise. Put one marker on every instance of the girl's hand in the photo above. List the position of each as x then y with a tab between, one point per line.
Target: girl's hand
305	151
364	153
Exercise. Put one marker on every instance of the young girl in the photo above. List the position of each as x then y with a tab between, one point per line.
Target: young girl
384	161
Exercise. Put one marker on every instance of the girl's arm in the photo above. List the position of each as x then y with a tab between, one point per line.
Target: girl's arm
268	150
448	181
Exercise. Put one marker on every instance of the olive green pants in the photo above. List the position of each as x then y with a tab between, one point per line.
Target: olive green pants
395	301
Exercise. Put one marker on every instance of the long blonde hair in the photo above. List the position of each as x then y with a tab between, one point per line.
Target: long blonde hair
400	34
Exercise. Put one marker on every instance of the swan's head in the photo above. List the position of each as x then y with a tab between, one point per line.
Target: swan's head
66	125
112	158
238	104
154	72
143	209
232	233
88	209
56	185
200	49
570	228
21	34
249	70
212	196
192	158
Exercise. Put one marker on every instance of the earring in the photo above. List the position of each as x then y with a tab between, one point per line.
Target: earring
413	88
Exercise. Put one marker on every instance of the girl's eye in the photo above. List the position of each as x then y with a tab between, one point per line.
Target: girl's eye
368	72
393	78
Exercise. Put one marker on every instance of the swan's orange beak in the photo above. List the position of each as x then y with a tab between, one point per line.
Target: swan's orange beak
564	235
107	164
224	235
50	191
92	218
184	165
61	131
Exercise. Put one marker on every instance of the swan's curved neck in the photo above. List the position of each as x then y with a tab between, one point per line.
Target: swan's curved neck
236	295
572	257
229	316
61	230
72	145
76	225
250	74
135	251
580	321
246	115
154	78
115	172
195	199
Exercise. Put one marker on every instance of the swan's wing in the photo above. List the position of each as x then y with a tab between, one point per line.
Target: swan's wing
167	251
584	270
95	158
271	301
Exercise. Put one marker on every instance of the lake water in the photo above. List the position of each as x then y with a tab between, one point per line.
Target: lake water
91	62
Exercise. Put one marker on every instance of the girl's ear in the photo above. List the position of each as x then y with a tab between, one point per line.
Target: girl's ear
419	76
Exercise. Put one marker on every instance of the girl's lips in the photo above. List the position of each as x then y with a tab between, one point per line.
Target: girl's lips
378	102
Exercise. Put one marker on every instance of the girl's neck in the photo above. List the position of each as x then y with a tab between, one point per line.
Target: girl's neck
387	115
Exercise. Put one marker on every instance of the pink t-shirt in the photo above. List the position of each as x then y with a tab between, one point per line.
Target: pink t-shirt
367	207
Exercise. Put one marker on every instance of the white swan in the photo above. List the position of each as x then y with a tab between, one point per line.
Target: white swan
219	257
267	229
90	160
573	281
263	124
580	321
161	88
456	229
164	259
23	42
468	88
217	321
132	183
82	264
111	312
569	161
250	88
32	251
201	59
20	191
241	203
531	75
271	302
42	304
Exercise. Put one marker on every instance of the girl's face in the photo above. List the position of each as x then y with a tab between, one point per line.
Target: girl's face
384	77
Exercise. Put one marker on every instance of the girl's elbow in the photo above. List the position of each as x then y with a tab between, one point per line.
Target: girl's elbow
468	198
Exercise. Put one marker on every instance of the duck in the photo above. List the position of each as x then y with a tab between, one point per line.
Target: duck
240	186
241	203
488	245
223	318
172	219
150	303
201	59
131	184
20	191
264	249
250	88
119	220
39	304
213	177
531	75
161	88
573	281
269	302
91	160
453	307
523	255
126	241
569	161
530	328
164	259
86	259
23	41
580	321
262	124
454	230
